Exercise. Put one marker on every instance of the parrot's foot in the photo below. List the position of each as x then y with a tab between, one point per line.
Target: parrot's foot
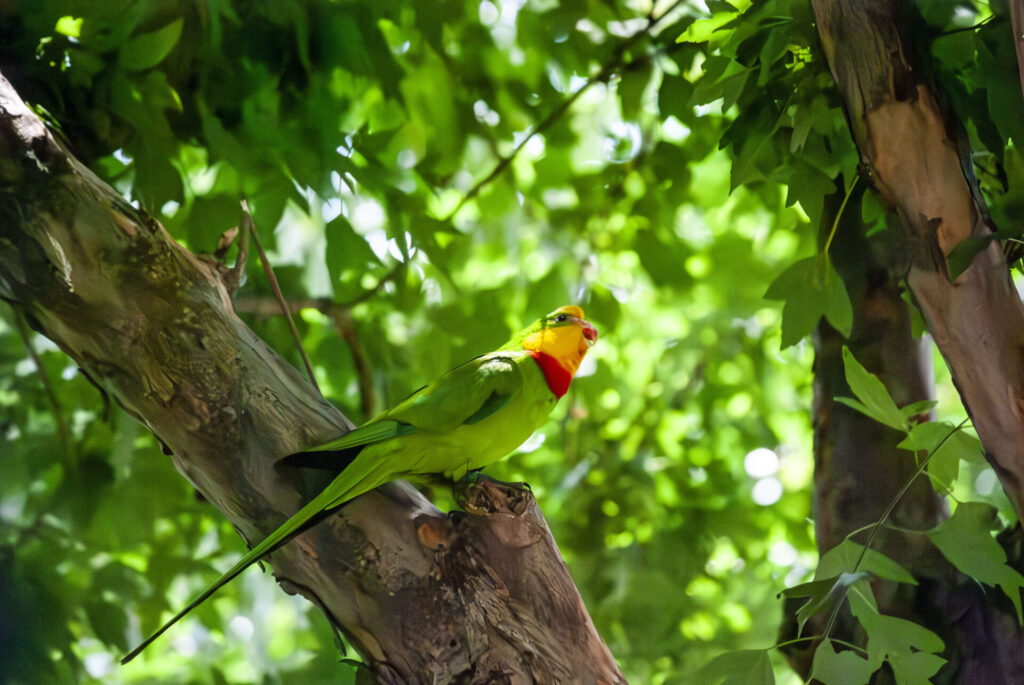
478	493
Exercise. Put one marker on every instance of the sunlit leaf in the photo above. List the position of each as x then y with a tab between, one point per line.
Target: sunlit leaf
147	50
845	666
811	289
740	667
947	445
872	397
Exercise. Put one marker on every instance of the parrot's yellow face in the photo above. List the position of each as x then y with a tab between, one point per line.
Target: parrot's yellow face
565	336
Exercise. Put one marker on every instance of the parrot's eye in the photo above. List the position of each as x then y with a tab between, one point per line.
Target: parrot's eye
561	318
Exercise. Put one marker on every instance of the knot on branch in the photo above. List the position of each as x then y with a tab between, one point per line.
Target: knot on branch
434	532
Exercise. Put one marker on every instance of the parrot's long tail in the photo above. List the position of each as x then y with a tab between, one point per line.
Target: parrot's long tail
280	536
335	461
369	470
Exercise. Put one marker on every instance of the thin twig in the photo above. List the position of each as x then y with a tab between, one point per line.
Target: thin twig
342	318
58	414
266	307
601	77
234	276
249	227
973	27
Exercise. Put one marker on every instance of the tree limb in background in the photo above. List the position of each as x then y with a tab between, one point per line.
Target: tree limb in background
1017	26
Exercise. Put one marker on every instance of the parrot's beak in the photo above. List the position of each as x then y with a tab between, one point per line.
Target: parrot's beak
589	332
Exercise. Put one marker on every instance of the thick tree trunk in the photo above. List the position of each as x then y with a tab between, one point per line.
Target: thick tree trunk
426	598
918	159
1017	25
858	471
913	155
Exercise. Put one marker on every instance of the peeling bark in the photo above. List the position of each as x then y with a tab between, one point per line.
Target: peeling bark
1017	25
913	154
426	597
918	159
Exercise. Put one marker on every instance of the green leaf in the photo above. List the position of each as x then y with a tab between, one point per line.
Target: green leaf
915	408
843	558
838	309
69	26
947	445
811	289
347	255
739	667
910	649
147	50
821	595
844	667
109	622
873	399
965	540
961	256
631	89
702	29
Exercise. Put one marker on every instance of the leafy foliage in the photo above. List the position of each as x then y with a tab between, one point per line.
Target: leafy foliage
430	176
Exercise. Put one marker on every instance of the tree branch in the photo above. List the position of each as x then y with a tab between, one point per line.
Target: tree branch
424	597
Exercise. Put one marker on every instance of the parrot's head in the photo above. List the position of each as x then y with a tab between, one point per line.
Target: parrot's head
559	342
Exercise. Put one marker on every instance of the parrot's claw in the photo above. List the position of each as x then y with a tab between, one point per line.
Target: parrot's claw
475	491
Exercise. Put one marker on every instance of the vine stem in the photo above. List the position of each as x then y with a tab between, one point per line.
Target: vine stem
881	521
839	215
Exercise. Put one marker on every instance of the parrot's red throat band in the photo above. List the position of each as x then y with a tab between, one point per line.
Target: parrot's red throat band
557	376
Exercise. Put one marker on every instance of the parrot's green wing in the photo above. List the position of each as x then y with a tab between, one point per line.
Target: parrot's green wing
467	394
367	434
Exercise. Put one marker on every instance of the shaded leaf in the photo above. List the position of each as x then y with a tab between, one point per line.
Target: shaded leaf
811	289
965	540
845	667
821	595
843	558
109	621
961	256
910	649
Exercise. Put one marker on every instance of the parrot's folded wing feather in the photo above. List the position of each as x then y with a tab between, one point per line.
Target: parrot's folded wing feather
369	433
467	394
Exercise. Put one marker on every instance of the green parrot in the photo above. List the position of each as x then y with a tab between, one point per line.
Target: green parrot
472	416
